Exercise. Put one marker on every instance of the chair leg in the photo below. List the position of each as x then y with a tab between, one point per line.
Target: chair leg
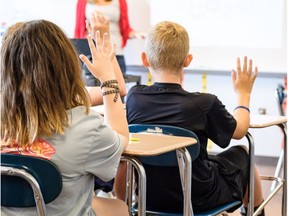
278	169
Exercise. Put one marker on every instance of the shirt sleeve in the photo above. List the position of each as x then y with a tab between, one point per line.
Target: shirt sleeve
105	153
220	124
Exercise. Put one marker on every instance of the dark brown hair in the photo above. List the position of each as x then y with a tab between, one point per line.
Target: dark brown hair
40	80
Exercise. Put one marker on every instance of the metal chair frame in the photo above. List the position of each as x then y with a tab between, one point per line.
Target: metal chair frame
24	178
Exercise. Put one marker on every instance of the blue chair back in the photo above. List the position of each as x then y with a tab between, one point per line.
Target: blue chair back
170	158
17	192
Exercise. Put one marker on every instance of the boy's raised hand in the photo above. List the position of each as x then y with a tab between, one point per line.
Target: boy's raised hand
243	79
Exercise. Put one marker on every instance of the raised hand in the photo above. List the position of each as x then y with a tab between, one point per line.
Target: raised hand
243	79
98	22
102	54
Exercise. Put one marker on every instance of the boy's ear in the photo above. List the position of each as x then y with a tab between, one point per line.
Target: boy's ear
187	60
144	59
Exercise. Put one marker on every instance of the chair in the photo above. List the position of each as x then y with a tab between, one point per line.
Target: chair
170	159
280	96
29	181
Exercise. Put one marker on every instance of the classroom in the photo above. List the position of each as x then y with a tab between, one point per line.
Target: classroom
217	38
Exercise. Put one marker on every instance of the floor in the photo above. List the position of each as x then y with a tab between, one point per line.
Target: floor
266	167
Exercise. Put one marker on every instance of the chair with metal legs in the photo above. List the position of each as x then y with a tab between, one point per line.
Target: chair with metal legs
280	96
29	182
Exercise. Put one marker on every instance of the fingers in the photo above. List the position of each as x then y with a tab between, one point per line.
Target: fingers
88	26
92	46
86	61
250	67
99	22
98	40
238	65
245	64
113	51
255	73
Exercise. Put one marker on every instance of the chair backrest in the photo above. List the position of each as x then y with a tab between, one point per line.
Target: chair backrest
20	176
170	158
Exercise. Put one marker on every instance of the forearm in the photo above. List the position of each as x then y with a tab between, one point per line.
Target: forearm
114	113
242	116
96	93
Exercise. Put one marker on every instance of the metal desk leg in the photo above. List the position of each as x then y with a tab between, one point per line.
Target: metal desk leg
285	171
136	164
251	180
278	170
185	168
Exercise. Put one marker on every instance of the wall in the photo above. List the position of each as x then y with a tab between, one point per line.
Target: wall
268	141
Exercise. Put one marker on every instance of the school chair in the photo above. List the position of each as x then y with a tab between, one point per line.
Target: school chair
170	159
280	95
29	181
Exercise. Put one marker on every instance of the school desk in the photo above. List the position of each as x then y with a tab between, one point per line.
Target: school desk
263	121
151	145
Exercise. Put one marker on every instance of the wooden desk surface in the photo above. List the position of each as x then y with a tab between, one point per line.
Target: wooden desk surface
154	144
262	121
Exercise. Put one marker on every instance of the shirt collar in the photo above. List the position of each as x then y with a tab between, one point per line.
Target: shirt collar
170	85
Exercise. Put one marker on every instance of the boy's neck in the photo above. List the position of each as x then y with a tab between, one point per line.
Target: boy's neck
163	77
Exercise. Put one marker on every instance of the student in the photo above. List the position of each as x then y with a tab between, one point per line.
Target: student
44	100
216	179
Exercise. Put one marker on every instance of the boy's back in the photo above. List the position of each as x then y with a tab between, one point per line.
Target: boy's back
169	104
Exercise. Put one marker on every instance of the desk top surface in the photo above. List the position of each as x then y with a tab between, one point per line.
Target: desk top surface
154	144
262	121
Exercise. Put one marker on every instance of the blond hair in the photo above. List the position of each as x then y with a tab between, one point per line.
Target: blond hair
40	80
167	46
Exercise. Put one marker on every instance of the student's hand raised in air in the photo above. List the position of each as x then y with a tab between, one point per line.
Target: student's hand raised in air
243	79
98	22
102	54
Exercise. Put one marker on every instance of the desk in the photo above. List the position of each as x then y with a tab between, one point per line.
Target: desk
263	121
151	145
100	109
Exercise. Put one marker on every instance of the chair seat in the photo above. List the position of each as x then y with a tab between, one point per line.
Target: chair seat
219	209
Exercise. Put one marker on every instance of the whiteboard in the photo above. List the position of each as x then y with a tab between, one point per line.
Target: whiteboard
219	30
222	30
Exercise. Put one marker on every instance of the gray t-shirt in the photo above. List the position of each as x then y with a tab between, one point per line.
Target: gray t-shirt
88	148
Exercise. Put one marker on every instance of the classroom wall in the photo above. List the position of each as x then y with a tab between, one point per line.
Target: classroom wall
268	141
